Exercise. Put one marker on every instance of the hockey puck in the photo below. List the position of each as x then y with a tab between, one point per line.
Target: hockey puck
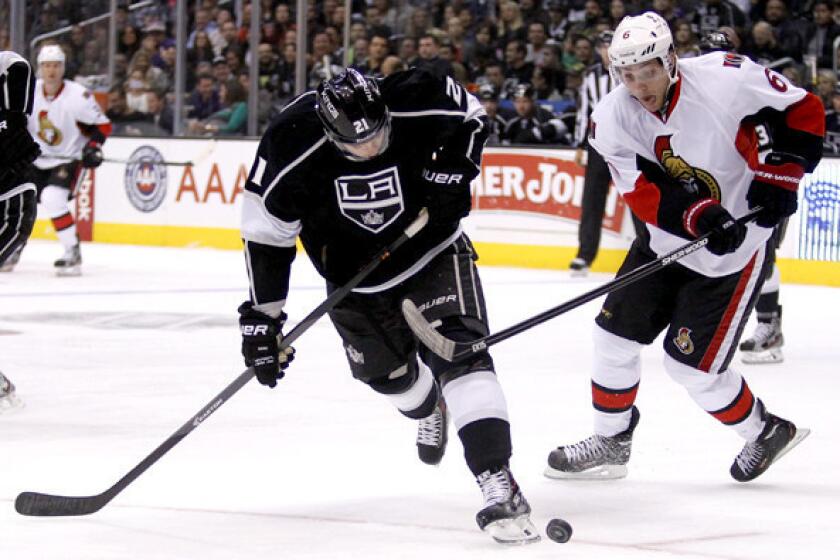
558	530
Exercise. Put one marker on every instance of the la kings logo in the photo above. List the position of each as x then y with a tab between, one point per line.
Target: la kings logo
372	201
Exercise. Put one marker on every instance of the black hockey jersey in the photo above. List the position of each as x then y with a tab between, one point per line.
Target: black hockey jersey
345	211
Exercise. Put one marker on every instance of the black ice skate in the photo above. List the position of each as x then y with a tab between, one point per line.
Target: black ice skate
506	513
70	264
11	261
579	267
595	458
432	435
8	397
765	345
777	438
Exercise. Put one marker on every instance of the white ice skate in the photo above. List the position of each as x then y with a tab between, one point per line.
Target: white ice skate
8	398
70	264
506	514
765	345
579	267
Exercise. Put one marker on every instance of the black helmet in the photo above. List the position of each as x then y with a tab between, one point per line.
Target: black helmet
351	108
716	41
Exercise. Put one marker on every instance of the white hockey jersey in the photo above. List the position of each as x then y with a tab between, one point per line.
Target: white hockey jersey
55	123
705	146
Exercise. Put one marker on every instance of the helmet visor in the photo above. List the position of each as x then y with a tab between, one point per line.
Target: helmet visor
370	147
644	73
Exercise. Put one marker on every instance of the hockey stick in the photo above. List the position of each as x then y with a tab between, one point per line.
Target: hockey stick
202	155
452	350
37	504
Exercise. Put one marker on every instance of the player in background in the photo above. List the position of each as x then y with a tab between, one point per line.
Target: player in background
70	128
765	344
18	206
346	168
682	148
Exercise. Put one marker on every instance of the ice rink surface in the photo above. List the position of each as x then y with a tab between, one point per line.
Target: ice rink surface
111	363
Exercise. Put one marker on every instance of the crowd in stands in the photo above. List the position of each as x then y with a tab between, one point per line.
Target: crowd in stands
526	59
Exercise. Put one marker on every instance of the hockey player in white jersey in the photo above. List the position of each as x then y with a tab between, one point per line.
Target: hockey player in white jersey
682	149
70	128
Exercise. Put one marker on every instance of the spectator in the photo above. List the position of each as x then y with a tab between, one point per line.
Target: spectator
135	92
788	34
484	49
419	23
497	117
685	42
378	49
593	14
429	56
228	37
205	24
832	124
118	112
821	34
221	70
516	66
762	46
459	72
204	100
392	64
160	115
616	13
581	57
511	25
153	76
668	11
268	67
544	81
129	41
826	86
558	22
711	15
201	51
408	51
232	119
533	124
537	39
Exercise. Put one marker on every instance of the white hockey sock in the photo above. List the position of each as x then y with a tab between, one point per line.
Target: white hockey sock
475	396
616	366
412	398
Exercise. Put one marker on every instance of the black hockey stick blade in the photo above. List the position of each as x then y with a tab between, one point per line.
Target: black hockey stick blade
44	505
452	350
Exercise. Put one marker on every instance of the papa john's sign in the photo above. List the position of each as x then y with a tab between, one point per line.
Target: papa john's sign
538	182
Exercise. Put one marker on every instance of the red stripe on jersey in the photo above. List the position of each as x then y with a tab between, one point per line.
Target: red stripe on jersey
726	320
807	115
737	410
676	97
613	400
63	222
644	200
746	142
105	129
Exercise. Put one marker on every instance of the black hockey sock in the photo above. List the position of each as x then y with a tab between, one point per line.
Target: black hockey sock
486	444
767	306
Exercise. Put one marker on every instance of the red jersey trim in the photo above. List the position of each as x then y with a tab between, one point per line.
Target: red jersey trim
644	200
807	115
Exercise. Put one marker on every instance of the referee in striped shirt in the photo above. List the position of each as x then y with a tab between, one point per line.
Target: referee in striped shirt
596	84
18	205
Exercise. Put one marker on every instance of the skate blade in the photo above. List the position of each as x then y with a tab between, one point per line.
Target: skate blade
69	271
602	472
579	273
9	403
516	531
771	356
798	437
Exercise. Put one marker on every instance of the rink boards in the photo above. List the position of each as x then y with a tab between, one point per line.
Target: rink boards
526	206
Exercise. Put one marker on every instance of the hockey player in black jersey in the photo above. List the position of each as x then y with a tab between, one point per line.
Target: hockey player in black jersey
18	206
17	152
346	168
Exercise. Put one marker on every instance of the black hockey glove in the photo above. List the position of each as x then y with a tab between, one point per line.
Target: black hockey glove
261	336
709	216
774	187
17	148
447	186
92	155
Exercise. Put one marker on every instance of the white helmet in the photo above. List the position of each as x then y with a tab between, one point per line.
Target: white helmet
641	38
51	53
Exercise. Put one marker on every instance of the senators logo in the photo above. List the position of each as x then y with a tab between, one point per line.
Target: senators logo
47	130
694	179
683	341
